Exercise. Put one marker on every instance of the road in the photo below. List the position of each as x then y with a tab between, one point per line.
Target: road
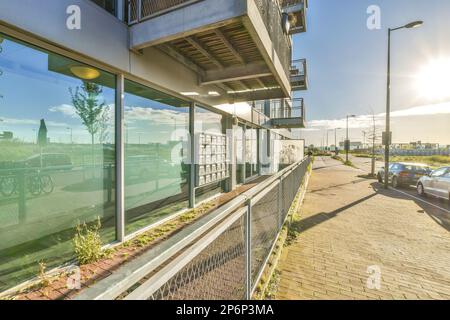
365	165
357	240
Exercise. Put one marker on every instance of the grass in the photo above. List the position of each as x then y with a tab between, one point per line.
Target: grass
433	161
88	244
347	163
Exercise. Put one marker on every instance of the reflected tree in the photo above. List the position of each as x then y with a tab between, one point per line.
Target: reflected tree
86	103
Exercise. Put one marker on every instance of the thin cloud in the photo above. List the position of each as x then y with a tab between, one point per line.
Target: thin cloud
366	121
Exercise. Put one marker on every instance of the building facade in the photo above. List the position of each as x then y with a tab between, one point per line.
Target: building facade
131	111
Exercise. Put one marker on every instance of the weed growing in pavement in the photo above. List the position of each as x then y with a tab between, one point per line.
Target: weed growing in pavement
88	243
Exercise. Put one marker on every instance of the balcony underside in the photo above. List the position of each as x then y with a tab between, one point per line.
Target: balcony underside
288	123
234	57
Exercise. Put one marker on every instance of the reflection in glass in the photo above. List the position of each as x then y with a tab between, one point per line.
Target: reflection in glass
156	155
240	154
57	160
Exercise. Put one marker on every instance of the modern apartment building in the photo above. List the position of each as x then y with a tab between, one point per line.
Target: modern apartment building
131	111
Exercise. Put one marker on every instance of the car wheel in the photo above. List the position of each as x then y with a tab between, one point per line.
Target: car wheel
394	182
421	190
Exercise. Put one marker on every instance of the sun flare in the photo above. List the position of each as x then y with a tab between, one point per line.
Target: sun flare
433	80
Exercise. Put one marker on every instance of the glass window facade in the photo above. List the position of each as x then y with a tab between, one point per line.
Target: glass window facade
57	158
157	156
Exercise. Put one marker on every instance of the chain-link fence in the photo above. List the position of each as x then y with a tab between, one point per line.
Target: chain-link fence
227	260
217	272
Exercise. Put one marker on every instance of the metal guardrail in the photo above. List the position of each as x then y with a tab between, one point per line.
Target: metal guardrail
288	3
221	257
140	10
298	67
292	108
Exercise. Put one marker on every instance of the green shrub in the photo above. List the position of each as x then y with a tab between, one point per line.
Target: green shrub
88	244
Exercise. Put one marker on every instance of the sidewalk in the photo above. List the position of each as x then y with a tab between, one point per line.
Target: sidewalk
349	226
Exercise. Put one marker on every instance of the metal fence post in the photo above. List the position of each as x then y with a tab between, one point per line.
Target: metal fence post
120	159
281	208
248	251
193	157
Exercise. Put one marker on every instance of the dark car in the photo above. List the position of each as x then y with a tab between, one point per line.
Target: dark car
404	174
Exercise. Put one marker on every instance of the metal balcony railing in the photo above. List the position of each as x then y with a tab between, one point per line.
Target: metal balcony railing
291	109
298	67
139	10
288	3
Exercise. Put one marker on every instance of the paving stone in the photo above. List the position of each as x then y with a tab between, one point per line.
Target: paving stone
350	224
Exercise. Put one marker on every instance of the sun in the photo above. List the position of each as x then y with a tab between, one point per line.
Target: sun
433	80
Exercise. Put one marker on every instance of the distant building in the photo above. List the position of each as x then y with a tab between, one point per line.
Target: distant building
353	145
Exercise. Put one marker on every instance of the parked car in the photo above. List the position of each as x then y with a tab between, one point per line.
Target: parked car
404	174
49	161
436	184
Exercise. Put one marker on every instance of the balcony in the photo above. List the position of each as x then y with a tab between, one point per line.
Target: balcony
238	47
299	75
288	114
296	11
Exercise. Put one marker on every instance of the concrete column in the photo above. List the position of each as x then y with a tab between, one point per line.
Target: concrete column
231	130
120	9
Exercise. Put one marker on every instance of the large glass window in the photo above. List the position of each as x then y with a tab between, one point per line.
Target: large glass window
240	154
251	152
157	159
57	156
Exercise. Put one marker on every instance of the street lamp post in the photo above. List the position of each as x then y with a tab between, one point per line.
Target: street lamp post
387	142
348	141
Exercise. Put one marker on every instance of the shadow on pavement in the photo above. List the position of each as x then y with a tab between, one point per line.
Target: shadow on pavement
441	217
337	185
310	222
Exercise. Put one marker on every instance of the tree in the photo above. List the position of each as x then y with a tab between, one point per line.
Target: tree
88	108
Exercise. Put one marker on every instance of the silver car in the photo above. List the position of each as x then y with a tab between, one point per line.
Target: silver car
436	184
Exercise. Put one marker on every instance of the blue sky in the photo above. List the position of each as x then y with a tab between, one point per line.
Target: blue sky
347	61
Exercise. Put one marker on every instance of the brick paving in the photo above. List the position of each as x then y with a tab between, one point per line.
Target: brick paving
348	225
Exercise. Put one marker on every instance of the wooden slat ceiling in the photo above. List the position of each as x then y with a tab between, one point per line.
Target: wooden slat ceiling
230	45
